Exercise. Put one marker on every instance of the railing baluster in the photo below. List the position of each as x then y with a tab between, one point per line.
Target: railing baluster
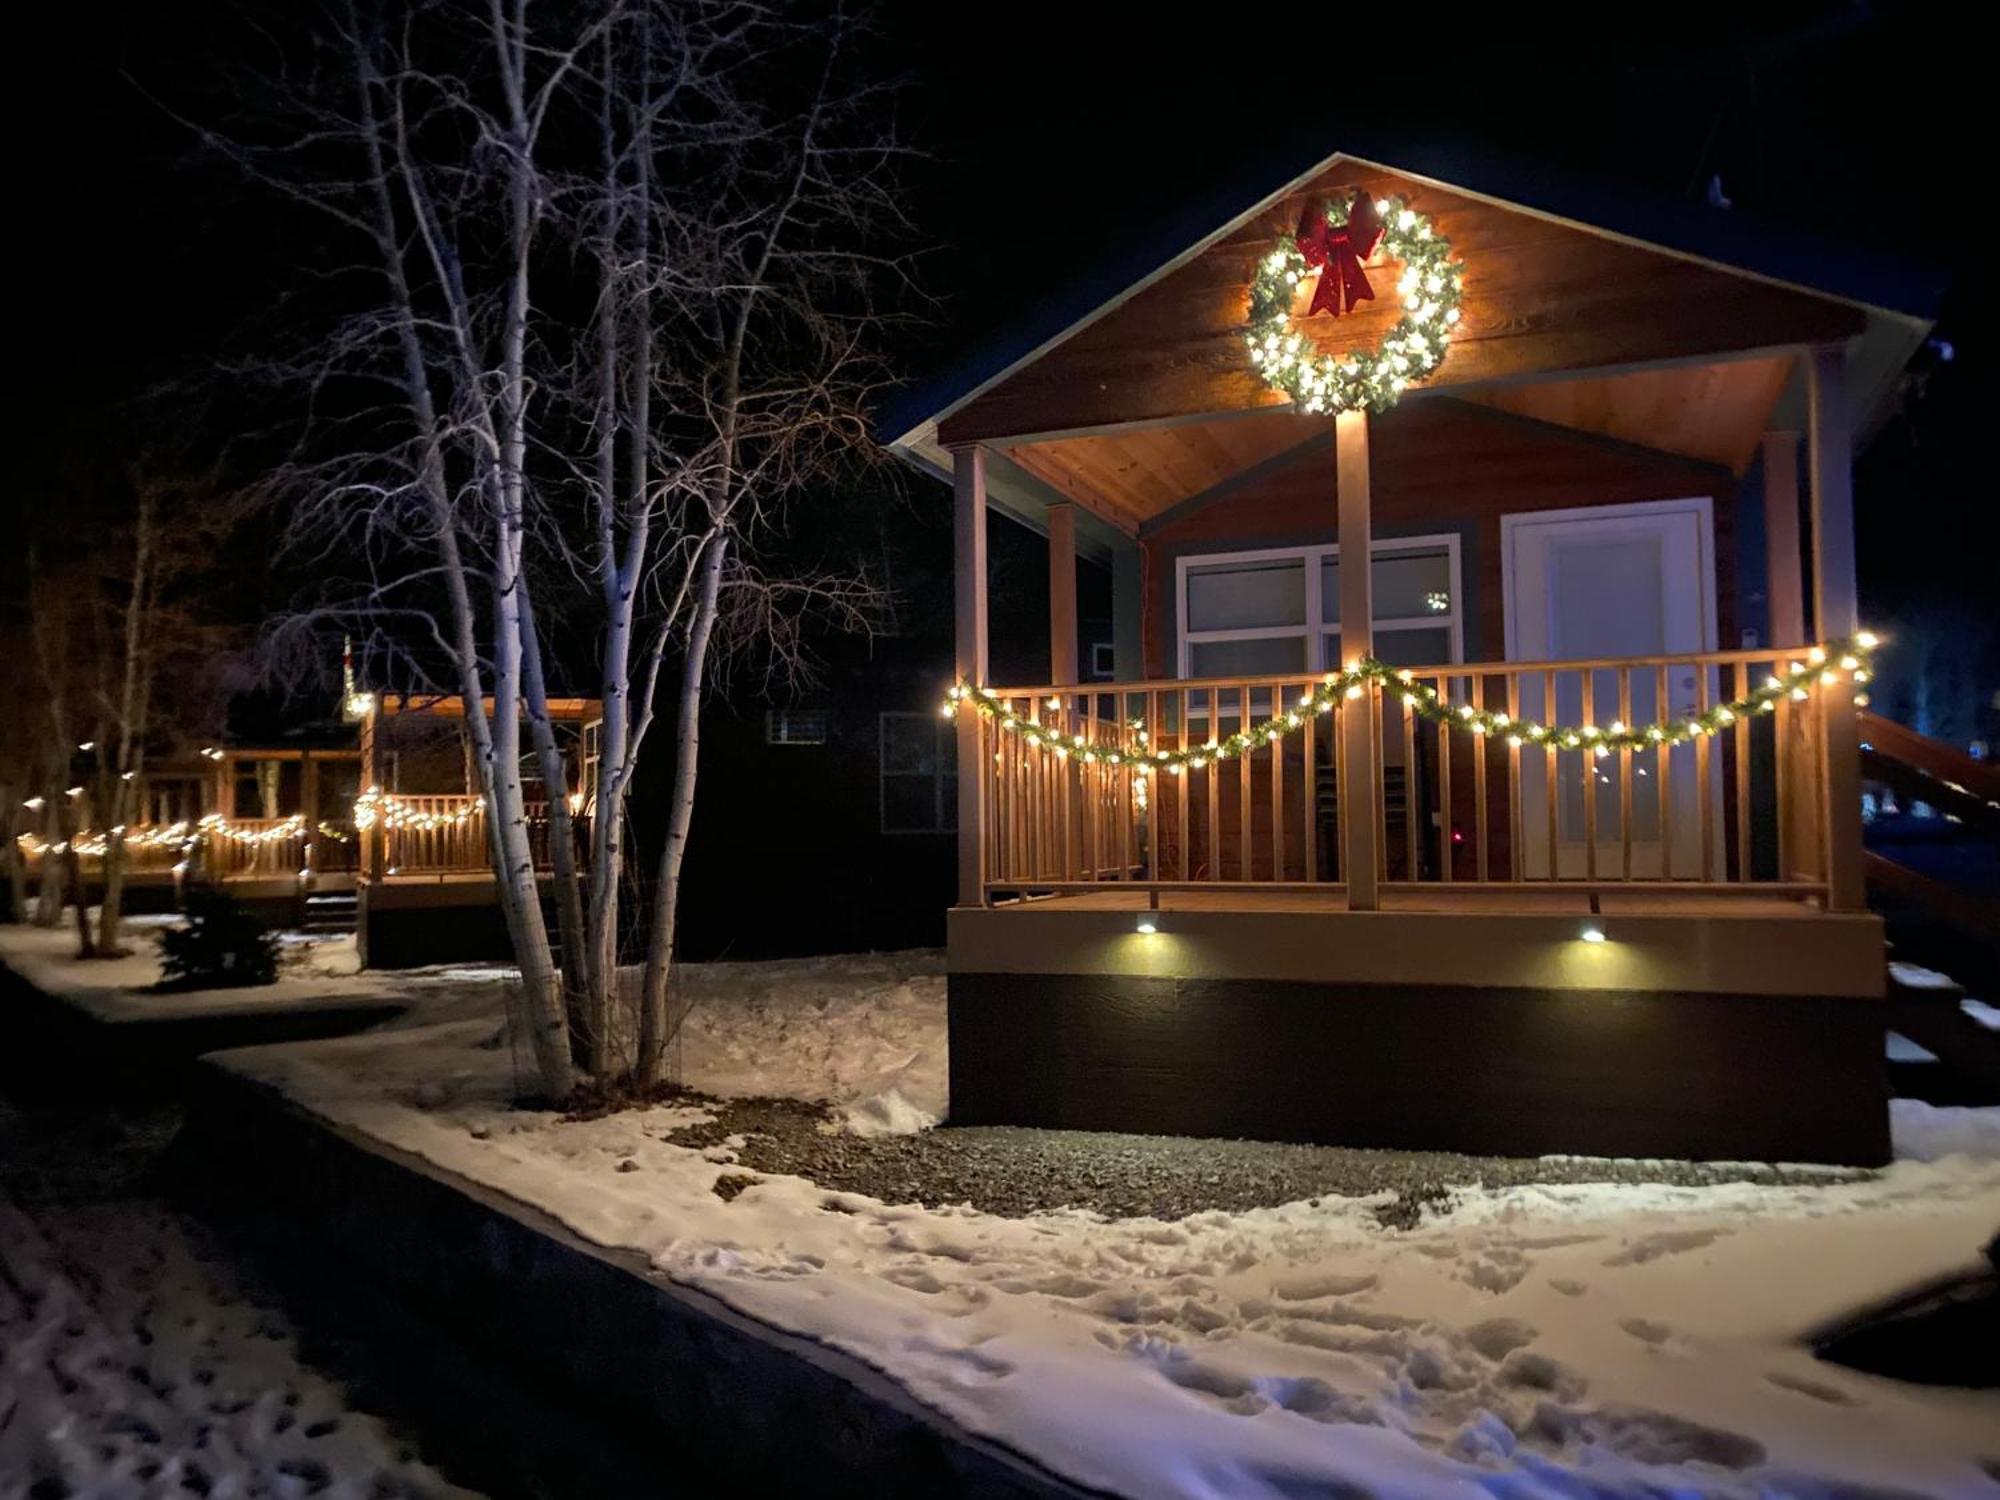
1445	871
1704	786
1587	686
1550	769
1516	854
1280	706
1739	690
1483	870
1625	778
1246	865
1309	789
1663	767
1412	785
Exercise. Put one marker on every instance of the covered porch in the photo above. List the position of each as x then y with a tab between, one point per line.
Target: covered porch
1568	730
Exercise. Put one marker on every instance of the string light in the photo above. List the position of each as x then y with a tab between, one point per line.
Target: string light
1429	289
269	833
1425	700
377	806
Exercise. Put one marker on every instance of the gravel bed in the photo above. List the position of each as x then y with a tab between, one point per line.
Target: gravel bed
1016	1171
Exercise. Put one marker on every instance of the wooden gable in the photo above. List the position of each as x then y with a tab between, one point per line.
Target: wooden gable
1541	296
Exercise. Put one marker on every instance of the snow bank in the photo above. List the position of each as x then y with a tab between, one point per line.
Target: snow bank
1547	1341
1930	1132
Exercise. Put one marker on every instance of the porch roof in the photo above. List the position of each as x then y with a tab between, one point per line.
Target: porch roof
1813	291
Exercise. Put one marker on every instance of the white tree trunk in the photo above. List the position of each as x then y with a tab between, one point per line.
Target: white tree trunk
657	1026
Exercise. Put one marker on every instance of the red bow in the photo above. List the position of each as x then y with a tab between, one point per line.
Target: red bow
1339	250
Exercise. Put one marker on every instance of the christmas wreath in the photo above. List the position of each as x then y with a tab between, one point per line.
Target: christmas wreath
1333	241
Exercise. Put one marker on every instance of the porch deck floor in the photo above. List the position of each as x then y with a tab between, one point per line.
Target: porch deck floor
1463	898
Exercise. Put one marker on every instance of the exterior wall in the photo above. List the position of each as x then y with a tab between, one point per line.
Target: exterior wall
1436	465
1801	952
1509	1071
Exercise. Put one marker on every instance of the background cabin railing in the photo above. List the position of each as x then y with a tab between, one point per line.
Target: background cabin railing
447	836
1742	809
255	848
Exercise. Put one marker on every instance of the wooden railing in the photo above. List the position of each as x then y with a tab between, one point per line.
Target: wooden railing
1739	809
447	836
255	849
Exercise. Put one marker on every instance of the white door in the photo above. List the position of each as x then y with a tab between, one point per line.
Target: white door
1609	582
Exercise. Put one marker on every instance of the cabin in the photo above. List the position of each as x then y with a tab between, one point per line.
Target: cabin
375	827
1479	769
425	892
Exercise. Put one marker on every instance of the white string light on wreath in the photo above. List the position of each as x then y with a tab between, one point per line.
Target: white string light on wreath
1334	239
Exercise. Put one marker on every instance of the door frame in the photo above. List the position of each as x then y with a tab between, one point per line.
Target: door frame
1565	857
1701	506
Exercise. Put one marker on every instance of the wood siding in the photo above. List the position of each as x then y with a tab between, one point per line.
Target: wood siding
1540	297
1436	466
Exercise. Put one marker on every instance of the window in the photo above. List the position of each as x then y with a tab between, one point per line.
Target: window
1256	614
795	726
1103	661
919	774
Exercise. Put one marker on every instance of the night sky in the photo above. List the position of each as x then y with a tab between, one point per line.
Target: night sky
1055	130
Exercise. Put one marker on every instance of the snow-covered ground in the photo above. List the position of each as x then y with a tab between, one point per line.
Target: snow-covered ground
1599	1340
312	971
132	1365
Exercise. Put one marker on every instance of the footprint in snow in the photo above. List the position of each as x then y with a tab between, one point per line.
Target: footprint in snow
1666	1242
1328	1284
1496	1338
1816	1390
1646	1331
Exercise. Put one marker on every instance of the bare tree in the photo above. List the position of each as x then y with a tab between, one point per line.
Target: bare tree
622	263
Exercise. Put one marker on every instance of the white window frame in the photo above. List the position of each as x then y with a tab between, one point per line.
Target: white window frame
778	722
1316	626
947	759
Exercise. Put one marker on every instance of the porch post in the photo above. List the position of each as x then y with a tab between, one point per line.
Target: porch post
1785	587
1798	776
1836	613
1360	778
968	475
1062	595
371	861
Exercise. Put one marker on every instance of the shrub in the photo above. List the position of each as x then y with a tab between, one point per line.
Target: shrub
223	945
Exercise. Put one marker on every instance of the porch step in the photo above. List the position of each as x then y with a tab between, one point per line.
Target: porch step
1932	1010
332	912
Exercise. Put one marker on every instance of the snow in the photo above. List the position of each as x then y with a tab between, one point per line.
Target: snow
131	1365
1609	1340
1930	1132
313	971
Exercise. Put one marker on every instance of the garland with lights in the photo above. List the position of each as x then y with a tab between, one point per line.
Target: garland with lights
1335	239
1821	665
377	806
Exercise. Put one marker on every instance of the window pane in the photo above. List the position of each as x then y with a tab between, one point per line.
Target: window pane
1414	648
1246	596
1408	586
1411	585
1254	658
909	803
909	744
795	726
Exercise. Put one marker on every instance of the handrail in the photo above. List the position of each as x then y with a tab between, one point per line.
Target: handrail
1937	760
1734	657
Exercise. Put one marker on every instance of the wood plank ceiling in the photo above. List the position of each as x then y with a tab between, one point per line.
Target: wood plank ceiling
1716	413
1130	476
